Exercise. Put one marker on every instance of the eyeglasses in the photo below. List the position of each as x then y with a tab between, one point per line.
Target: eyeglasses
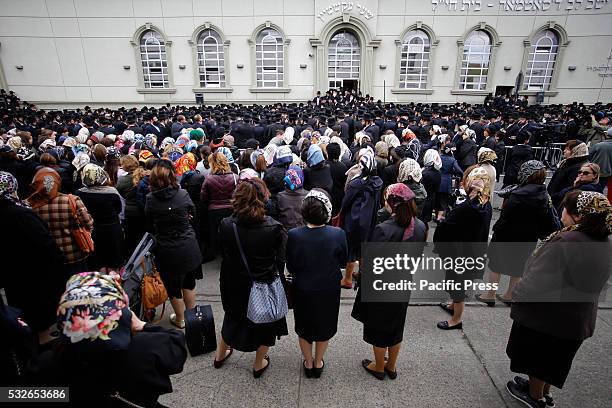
585	173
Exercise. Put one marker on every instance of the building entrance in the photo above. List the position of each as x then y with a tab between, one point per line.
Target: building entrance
343	61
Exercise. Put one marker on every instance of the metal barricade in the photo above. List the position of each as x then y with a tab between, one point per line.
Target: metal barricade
549	155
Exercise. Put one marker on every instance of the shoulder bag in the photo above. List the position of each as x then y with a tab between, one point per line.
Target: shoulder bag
267	301
81	235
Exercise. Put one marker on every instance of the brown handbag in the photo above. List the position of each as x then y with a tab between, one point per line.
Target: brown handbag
153	291
81	235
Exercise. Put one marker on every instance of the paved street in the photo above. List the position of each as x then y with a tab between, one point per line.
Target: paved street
436	368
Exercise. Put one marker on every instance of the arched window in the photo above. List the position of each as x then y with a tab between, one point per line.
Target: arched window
475	61
211	59
154	60
541	61
269	59
414	60
344	57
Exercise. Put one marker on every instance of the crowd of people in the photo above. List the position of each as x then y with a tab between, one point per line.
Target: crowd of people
260	187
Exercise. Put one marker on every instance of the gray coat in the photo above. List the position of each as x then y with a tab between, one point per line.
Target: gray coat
289	206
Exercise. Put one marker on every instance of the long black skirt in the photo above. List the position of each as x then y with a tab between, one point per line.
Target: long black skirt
541	355
316	313
246	336
214	219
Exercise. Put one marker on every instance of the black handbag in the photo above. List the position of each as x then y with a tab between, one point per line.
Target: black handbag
200	330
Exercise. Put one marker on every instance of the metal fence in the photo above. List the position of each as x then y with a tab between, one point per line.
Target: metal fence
550	155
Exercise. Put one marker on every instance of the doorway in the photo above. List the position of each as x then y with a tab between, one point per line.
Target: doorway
503	91
350	85
343	61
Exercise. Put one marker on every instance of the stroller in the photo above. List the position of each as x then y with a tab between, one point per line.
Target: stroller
133	272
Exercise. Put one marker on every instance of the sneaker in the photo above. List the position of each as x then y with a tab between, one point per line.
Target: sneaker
519	394
524	383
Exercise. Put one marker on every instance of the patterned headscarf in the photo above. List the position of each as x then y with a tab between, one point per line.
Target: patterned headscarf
150	141
70	142
409	168
432	158
59	152
45	186
181	141
46	144
486	155
382	149
322	197
294	178
93	175
247	174
367	163
255	155
269	153
478	185
397	194
166	142
191	146
112	151
174	154
80	161
185	164
138	138
129	136
80	148
15	143
580	150
95	307
8	189
528	168
24	153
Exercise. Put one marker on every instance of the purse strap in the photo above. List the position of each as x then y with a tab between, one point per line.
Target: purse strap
73	207
242	255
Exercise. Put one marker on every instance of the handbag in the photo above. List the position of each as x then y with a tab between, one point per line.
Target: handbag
267	301
338	220
153	293
81	235
200	330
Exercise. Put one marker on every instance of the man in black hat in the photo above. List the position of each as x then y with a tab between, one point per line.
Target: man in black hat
344	127
272	128
150	127
132	125
243	131
371	128
390	123
477	127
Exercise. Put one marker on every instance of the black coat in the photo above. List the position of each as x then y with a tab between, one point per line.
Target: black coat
176	249
518	155
318	176
40	280
338	174
431	181
566	175
467	153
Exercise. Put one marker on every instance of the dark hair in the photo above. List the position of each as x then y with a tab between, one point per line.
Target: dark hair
244	162
593	225
405	212
570	144
163	175
47	160
99	153
539	177
313	211
333	151
249	200
523	137
111	165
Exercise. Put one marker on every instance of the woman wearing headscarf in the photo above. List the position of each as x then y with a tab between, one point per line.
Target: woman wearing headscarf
410	174
105	353
104	204
318	173
450	168
555	304
177	254
431	181
358	212
575	154
41	278
134	223
464	233
290	199
81	159
230	159
586	180
112	164
315	254
216	195
525	217
467	149
263	245
56	210
383	322
382	154
486	160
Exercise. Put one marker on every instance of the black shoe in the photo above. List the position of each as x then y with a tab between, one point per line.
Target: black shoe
444	326
445	307
258	373
391	374
317	371
308	372
376	374
524	383
488	302
522	395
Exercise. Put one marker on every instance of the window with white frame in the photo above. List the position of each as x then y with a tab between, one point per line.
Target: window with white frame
343	59
541	61
154	60
414	62
269	59
211	60
475	61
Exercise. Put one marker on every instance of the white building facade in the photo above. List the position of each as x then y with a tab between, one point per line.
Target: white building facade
138	52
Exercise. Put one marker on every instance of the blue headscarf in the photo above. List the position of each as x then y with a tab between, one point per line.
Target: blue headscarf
315	155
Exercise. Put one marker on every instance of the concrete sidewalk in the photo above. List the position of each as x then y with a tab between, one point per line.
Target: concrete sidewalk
435	368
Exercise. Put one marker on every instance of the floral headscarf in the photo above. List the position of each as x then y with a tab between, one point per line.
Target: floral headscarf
46	185
580	150
150	141
138	138
80	148
24	153
247	174
322	197
144	155
227	153
181	141
486	155
478	185
94	175
191	146
15	143
185	164
382	149
409	168
166	142
112	151
294	178
432	158
69	142
528	168
46	144
397	194
95	307
8	189
80	161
